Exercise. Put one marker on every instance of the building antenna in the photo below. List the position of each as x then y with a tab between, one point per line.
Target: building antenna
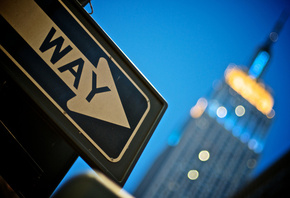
261	60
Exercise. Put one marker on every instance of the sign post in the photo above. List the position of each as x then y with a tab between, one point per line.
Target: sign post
105	107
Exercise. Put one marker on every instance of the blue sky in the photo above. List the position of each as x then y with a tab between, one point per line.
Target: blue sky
183	46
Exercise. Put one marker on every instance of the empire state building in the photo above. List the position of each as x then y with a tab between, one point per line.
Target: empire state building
219	145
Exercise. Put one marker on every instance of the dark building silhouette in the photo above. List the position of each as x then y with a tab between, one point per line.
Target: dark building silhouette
219	145
274	182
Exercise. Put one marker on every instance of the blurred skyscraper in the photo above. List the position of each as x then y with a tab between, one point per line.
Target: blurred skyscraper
216	150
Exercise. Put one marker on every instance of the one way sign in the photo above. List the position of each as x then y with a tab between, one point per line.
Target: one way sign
93	85
106	109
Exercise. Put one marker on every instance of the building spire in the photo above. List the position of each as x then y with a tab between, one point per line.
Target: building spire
263	55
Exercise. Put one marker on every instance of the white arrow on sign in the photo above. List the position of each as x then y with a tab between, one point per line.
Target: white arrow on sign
102	100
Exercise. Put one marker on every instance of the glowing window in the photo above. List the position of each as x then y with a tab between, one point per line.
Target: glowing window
213	105
259	64
197	110
203	155
229	123
240	110
253	144
245	137
192	174
221	112
271	114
